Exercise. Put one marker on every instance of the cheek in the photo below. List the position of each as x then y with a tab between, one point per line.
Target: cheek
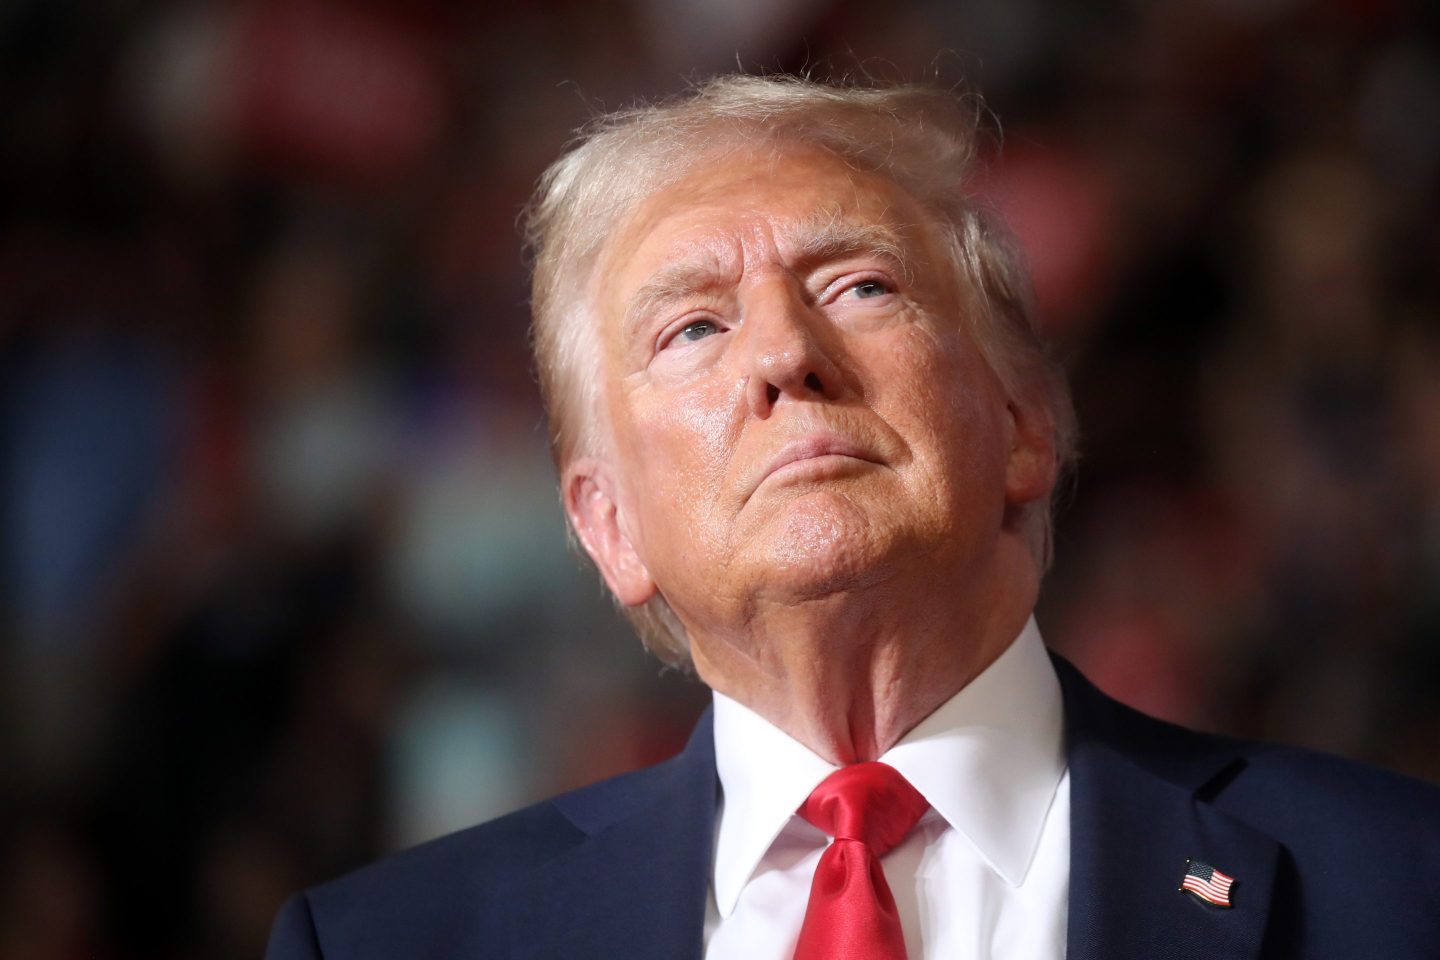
680	450
701	418
954	413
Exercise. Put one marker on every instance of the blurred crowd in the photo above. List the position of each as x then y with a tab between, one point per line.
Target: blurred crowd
284	584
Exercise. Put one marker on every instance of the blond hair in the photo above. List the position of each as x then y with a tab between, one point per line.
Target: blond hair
922	138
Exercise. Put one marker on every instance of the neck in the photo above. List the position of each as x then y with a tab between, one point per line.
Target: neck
849	674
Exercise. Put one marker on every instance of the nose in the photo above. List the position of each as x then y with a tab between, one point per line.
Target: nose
784	351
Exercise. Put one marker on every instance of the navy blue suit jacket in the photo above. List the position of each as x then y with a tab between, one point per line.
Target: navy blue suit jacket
1330	859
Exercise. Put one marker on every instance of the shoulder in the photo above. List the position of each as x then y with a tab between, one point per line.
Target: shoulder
492	852
1356	842
1332	809
456	889
1334	816
1291	791
1290	788
479	857
1309	785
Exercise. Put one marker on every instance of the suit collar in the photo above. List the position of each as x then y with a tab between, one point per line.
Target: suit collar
1140	806
990	770
1139	792
643	865
765	775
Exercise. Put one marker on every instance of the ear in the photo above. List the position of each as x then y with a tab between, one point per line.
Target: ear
1031	468
594	512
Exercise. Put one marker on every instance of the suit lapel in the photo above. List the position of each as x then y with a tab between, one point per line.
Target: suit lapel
638	884
1135	820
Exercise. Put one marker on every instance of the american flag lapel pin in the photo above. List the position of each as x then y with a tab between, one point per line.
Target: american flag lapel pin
1207	883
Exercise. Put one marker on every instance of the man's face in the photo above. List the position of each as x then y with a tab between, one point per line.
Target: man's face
794	406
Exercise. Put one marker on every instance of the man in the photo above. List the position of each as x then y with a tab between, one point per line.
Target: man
806	433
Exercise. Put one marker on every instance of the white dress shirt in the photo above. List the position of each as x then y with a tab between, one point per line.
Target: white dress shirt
985	873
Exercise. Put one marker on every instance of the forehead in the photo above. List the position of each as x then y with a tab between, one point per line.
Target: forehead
791	203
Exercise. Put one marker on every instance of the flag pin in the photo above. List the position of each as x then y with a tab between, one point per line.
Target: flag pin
1207	883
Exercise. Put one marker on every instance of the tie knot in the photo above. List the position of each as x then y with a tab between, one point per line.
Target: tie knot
870	802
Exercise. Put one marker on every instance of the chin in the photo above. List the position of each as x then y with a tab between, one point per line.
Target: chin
820	544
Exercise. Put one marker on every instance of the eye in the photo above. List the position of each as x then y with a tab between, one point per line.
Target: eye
857	285
698	330
869	289
694	326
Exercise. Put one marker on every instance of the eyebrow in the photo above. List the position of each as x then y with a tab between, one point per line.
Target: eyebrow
820	238
826	238
684	278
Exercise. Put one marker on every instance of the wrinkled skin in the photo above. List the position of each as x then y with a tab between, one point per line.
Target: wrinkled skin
805	452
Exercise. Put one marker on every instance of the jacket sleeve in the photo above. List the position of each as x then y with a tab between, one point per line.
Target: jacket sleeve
293	935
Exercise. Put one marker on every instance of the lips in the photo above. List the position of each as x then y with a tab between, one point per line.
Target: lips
809	448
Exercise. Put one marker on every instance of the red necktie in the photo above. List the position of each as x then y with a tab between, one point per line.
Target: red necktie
868	808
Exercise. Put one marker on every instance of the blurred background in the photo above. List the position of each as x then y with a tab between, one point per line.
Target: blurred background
283	579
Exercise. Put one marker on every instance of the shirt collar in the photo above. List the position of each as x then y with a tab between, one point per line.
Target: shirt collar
988	769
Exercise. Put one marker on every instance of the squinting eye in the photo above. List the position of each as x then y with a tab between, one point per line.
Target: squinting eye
698	330
869	289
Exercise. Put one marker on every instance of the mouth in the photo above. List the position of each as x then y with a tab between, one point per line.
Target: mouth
814	457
